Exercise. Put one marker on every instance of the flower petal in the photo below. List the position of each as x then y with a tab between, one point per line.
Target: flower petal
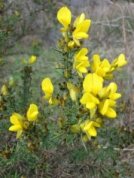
92	83
16	119
15	128
64	16
79	20
47	87
32	112
111	113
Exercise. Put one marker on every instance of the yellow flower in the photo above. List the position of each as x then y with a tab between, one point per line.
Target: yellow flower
120	61
4	90
106	108
48	89
109	96
110	92
92	83
73	90
89	100
101	68
81	61
32	112
64	17
89	128
111	89
81	26
32	59
18	124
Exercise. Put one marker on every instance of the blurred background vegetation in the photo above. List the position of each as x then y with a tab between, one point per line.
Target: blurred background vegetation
30	27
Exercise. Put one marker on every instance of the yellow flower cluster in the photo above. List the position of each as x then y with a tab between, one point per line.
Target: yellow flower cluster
98	99
103	67
88	127
85	83
20	122
73	32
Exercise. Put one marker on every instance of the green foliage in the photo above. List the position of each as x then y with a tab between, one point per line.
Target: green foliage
7	30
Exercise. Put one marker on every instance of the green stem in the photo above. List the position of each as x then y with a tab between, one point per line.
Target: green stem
26	79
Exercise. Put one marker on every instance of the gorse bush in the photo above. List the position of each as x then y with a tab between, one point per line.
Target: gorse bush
72	109
86	94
